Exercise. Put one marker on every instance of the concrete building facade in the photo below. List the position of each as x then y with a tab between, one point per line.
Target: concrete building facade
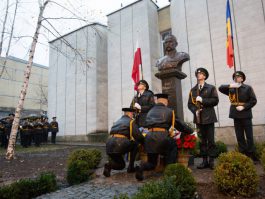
11	83
78	82
200	28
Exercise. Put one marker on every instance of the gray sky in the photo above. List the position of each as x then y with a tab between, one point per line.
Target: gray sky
90	10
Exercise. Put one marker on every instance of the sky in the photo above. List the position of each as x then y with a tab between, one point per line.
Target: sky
27	13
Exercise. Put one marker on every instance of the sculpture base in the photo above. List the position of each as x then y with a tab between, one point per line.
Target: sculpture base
171	85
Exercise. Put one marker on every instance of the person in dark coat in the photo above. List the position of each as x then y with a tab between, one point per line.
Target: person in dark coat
46	130
38	132
3	136
203	98
54	128
25	131
242	99
143	101
159	138
8	128
125	136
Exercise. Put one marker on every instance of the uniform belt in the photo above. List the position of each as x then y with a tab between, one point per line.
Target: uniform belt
238	103
157	129
119	136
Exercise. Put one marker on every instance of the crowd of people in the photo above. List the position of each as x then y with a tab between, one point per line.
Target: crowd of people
151	123
32	130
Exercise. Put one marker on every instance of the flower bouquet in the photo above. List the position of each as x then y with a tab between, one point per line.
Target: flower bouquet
186	147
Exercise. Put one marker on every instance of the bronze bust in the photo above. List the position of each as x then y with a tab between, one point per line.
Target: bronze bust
172	58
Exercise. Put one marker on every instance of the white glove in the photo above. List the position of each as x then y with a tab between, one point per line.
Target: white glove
199	99
240	108
136	105
235	85
195	134
177	135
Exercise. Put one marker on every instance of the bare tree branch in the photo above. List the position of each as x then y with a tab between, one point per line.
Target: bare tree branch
4	26
10	39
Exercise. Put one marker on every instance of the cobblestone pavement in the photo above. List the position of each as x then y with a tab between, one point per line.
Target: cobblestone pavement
99	188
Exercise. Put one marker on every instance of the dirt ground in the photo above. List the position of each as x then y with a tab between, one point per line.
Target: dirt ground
29	163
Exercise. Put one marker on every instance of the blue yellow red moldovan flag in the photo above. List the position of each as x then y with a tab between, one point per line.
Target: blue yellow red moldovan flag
229	40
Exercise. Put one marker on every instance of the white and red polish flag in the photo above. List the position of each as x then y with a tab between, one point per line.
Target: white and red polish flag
137	63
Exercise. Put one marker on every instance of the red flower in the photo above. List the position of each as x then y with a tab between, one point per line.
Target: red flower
192	145
186	145
187	138
178	142
193	138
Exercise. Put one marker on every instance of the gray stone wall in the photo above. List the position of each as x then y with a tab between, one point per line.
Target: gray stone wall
137	22
200	27
77	92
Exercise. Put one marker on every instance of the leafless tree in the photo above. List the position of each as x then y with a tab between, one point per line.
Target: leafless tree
4	27
12	140
50	28
10	39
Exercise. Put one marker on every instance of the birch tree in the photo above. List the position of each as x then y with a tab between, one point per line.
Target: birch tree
12	140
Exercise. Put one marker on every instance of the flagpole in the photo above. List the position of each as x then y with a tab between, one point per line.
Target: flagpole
233	37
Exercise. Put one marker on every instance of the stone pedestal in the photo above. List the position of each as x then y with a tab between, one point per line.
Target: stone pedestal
171	85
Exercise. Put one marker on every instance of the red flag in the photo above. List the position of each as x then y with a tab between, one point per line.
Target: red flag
229	40
136	66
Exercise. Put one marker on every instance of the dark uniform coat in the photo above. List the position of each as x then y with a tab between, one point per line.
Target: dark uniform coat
160	116
122	127
244	96
209	100
54	127
146	101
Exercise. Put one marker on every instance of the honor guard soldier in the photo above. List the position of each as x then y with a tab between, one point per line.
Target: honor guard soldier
160	122
125	136
25	131
54	127
143	101
8	128
38	132
242	99
202	100
46	129
3	137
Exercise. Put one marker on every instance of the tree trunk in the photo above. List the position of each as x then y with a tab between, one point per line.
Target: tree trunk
4	26
12	140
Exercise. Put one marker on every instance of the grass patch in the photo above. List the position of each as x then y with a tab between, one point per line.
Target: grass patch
33	149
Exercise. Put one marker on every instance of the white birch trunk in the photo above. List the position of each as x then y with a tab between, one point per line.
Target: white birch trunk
12	140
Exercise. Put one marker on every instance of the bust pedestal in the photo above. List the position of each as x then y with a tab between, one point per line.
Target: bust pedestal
171	85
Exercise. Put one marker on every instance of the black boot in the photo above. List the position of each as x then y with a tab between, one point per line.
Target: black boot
139	173
131	169
107	169
211	163
204	164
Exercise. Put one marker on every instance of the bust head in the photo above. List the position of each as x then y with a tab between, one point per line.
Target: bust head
170	43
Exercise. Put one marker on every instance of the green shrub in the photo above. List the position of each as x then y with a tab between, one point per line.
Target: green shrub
184	180
235	174
220	147
259	149
91	156
262	159
81	163
27	188
164	189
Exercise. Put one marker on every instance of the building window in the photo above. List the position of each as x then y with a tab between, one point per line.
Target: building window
162	39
